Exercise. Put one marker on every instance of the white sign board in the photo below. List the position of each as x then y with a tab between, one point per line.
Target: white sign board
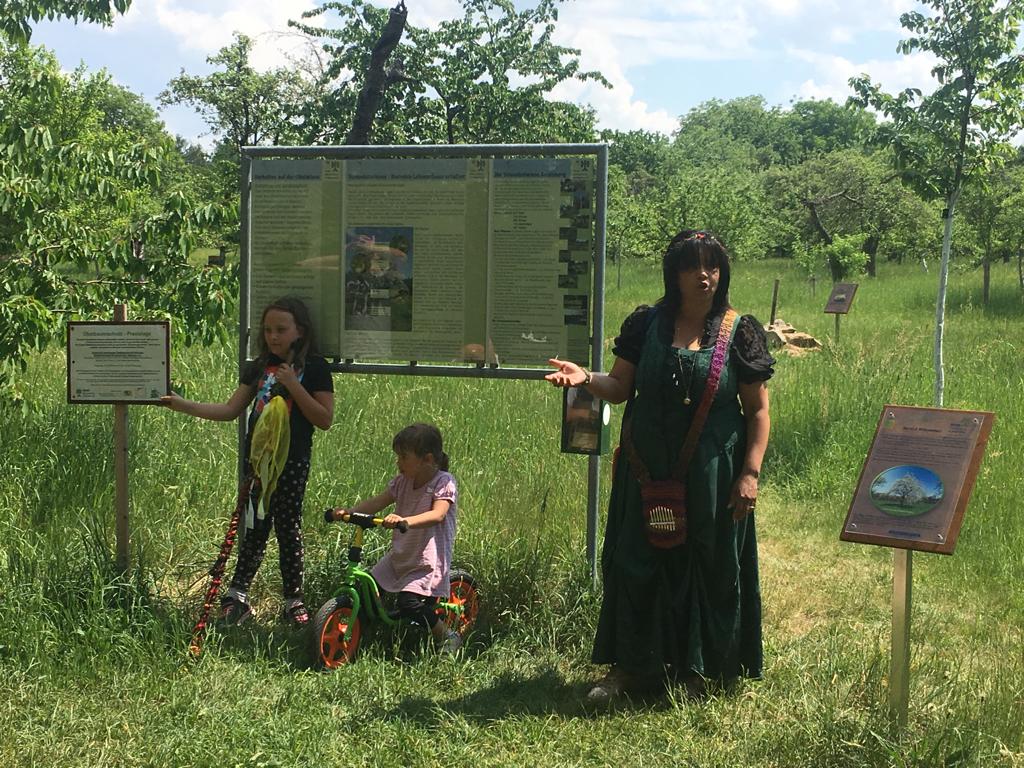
118	362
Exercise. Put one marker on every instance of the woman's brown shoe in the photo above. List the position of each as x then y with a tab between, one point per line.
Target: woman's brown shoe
608	688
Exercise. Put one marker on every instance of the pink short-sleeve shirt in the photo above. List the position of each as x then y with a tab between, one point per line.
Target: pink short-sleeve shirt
419	559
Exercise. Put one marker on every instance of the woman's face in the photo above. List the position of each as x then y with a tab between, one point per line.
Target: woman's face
698	284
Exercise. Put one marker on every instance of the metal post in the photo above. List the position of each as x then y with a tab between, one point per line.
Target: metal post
837	326
244	309
597	352
775	301
121	470
899	670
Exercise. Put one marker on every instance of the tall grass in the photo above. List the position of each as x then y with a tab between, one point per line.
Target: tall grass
93	663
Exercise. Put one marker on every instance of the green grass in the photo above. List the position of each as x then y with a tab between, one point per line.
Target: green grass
93	667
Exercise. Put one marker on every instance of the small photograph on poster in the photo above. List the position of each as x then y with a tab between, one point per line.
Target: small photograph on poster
378	279
575	308
906	491
567	281
581	422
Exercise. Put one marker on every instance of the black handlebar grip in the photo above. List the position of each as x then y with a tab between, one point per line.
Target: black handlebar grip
333	515
402	526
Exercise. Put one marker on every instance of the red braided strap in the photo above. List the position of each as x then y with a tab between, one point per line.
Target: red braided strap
195	647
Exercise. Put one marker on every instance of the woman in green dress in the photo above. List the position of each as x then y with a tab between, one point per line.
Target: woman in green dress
693	611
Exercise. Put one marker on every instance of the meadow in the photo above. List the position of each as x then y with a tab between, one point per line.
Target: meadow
94	669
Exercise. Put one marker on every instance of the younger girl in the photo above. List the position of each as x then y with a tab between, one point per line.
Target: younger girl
288	364
425	496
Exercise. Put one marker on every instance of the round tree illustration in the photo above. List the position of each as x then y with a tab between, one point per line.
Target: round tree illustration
906	490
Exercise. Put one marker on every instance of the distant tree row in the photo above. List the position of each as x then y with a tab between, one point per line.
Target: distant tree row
99	203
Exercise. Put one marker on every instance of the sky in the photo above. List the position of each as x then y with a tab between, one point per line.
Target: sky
662	57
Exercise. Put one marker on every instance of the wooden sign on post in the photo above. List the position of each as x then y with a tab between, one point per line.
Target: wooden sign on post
840	301
917	478
912	494
118	363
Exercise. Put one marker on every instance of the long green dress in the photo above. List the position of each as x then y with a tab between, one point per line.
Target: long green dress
695	608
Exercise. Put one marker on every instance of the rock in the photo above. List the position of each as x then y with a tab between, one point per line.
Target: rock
782	336
803	340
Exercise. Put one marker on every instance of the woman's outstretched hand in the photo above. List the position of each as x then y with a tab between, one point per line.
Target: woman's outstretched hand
568	374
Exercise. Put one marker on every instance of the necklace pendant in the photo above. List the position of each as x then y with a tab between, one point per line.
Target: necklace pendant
686	400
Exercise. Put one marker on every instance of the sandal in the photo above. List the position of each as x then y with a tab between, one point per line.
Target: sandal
295	613
234	612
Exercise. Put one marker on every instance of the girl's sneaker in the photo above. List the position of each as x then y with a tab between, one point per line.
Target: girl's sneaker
451	643
234	611
295	613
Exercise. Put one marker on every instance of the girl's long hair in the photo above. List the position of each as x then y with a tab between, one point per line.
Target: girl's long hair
690	249
421	439
306	345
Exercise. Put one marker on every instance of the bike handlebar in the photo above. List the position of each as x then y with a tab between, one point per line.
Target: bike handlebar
362	519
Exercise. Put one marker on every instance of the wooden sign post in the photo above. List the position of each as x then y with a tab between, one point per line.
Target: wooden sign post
119	363
840	301
912	494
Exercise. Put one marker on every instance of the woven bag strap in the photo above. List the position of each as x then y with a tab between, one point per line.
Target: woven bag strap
718	357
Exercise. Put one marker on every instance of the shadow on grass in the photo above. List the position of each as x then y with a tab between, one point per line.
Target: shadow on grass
510	696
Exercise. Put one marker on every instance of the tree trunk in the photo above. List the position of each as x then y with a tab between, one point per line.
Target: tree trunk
986	281
940	302
376	78
871	249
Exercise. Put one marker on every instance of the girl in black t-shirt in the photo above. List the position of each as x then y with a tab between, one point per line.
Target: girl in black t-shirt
288	365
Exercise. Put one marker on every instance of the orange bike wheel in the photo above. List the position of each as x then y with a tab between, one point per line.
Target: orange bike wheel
463	592
331	649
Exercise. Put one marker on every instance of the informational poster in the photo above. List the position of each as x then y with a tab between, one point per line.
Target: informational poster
429	260
918	478
118	362
295	247
841	298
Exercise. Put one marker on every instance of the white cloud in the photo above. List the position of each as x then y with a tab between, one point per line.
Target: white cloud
840	35
834	72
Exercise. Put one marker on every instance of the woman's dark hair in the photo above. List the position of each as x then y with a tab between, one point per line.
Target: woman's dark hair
297	308
421	439
690	249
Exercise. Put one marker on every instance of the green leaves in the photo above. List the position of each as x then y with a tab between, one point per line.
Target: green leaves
955	133
15	15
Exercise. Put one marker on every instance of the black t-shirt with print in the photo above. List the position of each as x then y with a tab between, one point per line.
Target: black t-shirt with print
315	377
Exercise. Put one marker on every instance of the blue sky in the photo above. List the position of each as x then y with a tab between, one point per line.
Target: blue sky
663	57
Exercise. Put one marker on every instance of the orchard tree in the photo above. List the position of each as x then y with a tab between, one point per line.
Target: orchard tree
481	78
961	129
243	107
847	193
85	216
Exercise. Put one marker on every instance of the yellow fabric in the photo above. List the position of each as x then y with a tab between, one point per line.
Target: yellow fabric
271	438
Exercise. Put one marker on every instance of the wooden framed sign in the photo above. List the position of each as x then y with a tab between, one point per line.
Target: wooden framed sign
118	362
841	298
917	478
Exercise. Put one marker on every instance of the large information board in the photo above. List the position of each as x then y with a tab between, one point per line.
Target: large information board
429	259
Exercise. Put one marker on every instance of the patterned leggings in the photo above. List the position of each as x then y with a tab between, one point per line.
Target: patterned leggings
284	514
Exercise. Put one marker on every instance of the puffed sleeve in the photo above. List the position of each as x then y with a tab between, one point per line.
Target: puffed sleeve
630	342
750	351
